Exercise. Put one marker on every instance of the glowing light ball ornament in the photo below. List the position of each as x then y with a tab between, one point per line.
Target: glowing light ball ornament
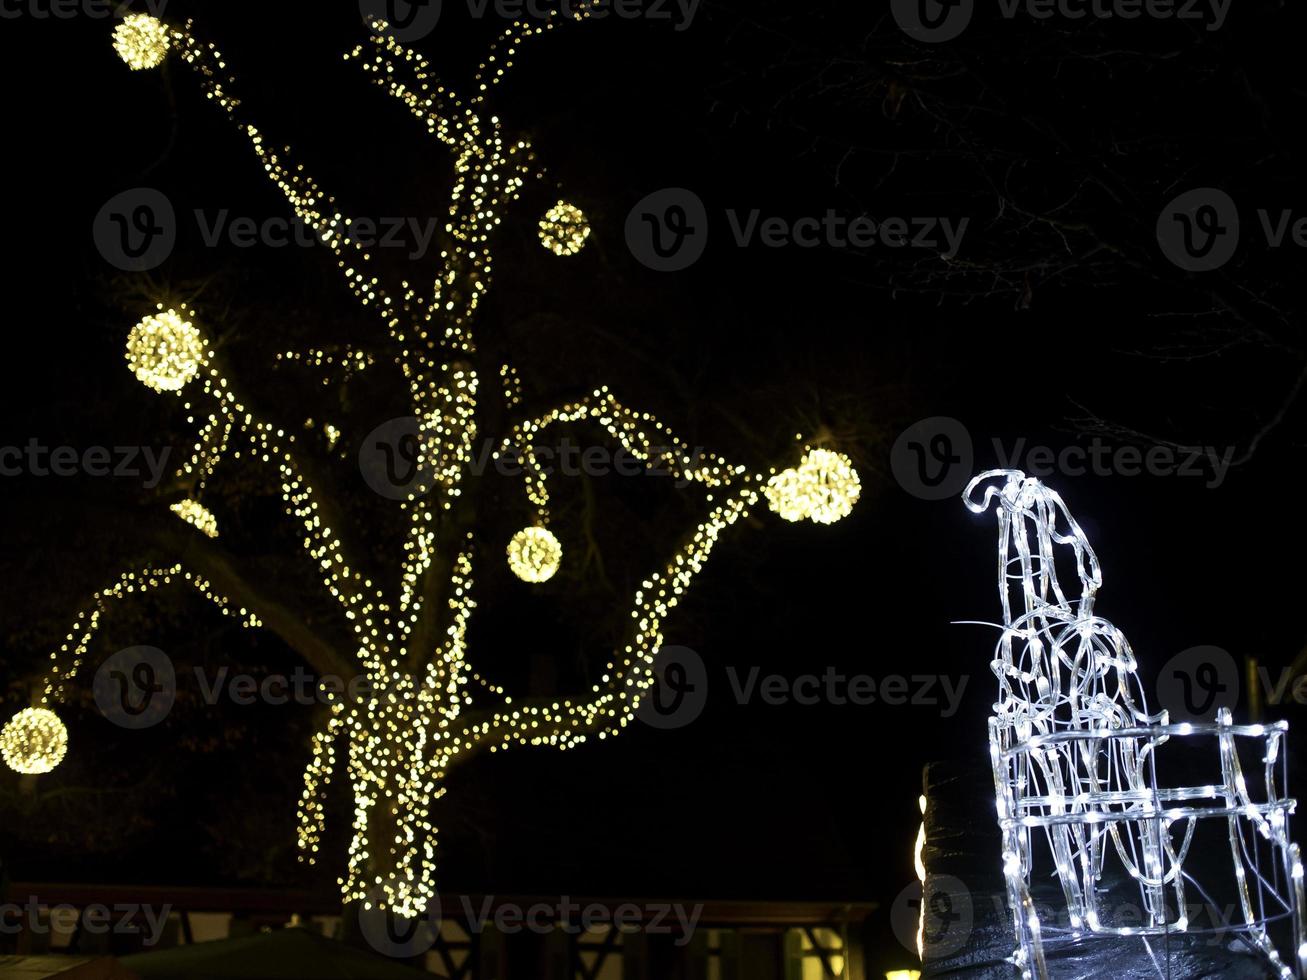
34	741
833	485
564	229
787	495
823	488
141	41
165	351
534	554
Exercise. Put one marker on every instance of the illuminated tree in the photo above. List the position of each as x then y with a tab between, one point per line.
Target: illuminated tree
426	708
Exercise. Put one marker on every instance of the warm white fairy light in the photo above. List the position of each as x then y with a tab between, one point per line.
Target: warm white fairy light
1074	752
141	41
427	707
833	485
787	495
66	661
165	350
534	554
334	365
511	383
33	741
197	515
564	229
823	488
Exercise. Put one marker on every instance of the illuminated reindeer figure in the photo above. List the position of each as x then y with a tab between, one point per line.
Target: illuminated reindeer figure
426	707
1074	755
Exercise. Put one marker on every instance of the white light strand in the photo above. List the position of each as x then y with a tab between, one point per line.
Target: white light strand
1074	753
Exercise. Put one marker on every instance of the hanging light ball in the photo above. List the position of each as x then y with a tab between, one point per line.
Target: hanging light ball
823	488
787	495
564	229
34	741
142	41
534	554
165	351
834	486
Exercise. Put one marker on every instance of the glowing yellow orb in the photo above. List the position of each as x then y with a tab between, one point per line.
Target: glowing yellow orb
834	486
534	554
564	229
822	488
787	495
142	41
34	741
165	351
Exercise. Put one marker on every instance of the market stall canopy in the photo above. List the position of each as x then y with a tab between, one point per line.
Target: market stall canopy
63	968
284	954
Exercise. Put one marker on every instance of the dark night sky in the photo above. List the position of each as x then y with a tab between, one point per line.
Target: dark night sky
756	106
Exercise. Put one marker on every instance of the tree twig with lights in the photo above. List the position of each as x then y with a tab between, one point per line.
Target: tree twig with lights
427	708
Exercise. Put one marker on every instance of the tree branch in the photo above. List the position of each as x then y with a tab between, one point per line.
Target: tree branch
201	555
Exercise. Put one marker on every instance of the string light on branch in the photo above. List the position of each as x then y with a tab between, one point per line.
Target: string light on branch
141	41
534	554
823	488
165	351
408	635
197	515
34	741
564	229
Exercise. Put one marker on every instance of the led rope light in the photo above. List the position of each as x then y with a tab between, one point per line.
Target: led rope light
1074	755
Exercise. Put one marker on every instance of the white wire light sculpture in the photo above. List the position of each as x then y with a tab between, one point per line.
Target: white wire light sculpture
1075	762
